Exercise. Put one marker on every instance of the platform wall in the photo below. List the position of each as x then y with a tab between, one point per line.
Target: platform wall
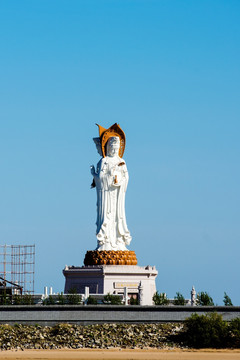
84	315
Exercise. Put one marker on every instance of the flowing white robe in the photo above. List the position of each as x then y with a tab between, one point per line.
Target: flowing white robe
111	179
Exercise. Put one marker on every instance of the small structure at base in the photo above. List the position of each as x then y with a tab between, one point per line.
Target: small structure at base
104	279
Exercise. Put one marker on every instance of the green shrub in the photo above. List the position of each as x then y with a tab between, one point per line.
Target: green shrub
5	299
204	299
133	301
226	300
49	301
17	300
234	336
73	298
235	326
61	299
179	299
91	300
112	299
206	331
160	299
27	299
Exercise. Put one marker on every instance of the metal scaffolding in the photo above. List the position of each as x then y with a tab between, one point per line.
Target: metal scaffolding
17	266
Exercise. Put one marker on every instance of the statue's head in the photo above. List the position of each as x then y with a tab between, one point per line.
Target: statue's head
113	146
113	132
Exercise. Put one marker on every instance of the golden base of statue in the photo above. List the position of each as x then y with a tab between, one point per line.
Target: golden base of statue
110	257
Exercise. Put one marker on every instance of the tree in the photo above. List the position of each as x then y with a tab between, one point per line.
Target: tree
49	301
206	331
112	299
133	301
61	299
91	300
179	299
204	299
5	298
160	299
226	300
17	299
73	298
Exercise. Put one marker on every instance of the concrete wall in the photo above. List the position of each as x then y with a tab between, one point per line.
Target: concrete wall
84	315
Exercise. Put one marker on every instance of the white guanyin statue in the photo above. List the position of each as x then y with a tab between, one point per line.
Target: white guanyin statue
111	179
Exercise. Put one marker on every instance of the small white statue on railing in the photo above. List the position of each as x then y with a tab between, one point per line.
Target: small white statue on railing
193	297
111	179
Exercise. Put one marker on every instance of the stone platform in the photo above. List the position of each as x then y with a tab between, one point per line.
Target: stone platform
103	279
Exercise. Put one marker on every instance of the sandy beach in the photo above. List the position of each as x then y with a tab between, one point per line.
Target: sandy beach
118	354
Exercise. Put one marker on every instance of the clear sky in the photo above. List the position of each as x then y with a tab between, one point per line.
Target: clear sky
169	73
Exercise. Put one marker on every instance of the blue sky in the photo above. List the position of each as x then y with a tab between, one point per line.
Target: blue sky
166	71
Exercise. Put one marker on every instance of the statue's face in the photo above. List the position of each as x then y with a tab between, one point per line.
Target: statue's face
113	146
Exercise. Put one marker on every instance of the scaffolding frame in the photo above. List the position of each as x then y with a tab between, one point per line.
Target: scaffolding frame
17	262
